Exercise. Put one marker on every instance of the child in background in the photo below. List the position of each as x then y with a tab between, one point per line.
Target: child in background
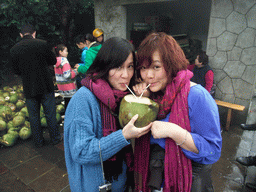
98	34
65	75
82	43
93	49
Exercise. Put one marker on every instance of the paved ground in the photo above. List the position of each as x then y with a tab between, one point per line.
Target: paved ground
28	169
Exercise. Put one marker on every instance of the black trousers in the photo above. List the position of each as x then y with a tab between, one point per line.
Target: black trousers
201	173
201	178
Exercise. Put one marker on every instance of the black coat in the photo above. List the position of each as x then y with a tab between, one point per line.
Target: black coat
31	58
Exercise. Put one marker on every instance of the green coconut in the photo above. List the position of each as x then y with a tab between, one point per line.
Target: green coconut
18	120
6	112
58	117
13	93
10	125
20	104
25	111
42	114
20	96
27	124
20	113
146	108
13	130
9	139
25	133
12	106
60	109
43	122
20	89
2	100
7	88
3	125
6	94
13	98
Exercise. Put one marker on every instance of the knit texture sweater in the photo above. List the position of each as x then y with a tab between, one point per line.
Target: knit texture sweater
82	136
65	77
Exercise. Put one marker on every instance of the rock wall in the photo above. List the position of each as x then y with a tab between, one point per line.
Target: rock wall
110	17
231	48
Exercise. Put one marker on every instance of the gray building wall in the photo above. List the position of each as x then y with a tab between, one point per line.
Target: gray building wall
227	29
232	52
186	16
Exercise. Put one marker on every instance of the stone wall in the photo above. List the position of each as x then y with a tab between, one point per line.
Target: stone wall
231	44
110	17
231	48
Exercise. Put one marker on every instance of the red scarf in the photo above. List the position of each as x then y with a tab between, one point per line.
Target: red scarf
178	168
109	100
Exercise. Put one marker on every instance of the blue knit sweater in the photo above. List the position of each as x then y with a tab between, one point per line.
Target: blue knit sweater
82	134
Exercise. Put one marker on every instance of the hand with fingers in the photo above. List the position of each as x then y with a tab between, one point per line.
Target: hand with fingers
130	131
76	66
141	88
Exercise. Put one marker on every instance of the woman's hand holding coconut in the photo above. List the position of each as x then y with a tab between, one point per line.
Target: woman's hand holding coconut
130	131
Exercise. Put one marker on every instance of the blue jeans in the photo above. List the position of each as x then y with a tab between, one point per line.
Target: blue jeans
48	102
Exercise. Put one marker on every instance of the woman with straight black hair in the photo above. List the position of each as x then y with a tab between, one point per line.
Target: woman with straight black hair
92	133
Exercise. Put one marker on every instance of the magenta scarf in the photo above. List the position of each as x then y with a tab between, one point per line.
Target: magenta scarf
108	99
178	168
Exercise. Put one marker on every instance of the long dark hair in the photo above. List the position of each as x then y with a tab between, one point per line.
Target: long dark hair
112	54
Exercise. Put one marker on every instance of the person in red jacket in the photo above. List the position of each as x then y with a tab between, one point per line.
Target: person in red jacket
64	74
203	73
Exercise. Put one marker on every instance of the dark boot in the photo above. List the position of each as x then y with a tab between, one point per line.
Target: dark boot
247	161
251	127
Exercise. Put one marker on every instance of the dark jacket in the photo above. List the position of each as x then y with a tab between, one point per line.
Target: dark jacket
31	58
199	74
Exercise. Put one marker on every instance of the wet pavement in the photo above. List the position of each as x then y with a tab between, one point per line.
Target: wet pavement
26	168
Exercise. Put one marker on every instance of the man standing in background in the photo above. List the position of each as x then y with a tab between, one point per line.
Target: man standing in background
30	60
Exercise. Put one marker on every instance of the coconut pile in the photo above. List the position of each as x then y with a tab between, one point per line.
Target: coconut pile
14	122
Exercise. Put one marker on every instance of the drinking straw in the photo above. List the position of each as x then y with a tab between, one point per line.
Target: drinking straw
131	92
144	91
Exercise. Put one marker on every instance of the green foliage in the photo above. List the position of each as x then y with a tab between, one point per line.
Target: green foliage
18	12
49	19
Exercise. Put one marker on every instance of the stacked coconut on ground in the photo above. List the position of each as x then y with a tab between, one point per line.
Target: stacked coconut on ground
14	122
